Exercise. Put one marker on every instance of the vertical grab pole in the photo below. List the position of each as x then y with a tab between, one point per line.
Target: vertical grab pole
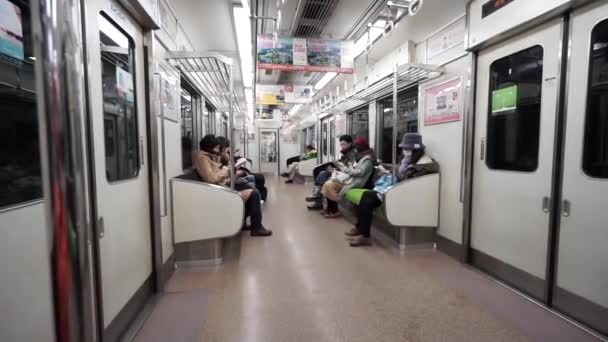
231	124
60	96
394	147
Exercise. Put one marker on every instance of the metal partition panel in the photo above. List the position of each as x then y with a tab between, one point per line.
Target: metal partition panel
61	109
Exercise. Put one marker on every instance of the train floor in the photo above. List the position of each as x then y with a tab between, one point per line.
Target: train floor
306	284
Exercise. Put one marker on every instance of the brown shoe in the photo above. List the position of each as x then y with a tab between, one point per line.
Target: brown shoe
360	240
332	215
352	232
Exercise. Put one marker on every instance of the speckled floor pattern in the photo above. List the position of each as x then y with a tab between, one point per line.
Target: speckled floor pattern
305	284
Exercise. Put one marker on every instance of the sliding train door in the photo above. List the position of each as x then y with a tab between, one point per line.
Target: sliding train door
582	254
118	128
517	87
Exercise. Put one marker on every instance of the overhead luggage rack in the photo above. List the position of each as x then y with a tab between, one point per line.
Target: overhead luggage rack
211	72
407	75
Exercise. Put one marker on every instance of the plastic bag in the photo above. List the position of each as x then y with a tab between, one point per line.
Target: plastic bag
383	183
340	177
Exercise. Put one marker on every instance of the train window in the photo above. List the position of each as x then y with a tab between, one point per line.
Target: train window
119	102
324	137
514	111
20	173
211	116
332	137
595	152
359	122
407	120
187	129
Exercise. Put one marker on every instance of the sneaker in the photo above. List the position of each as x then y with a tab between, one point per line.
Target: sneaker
313	199
289	181
315	206
352	232
285	174
360	240
261	232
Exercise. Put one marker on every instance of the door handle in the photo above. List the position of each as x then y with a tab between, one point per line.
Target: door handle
546	204
101	230
566	207
483	149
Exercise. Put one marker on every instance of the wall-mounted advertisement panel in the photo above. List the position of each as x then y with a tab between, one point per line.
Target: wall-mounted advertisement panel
299	54
283	94
11	30
170	96
443	102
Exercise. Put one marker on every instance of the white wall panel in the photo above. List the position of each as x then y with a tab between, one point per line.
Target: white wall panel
444	144
25	273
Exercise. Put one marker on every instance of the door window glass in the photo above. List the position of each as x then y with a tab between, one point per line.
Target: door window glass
20	178
514	111
407	120
187	129
269	147
359	122
595	152
119	102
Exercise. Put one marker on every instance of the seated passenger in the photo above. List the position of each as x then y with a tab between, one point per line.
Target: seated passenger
348	177
243	171
348	154
414	163
292	172
210	170
243	174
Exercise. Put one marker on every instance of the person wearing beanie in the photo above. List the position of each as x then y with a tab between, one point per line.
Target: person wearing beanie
357	176
414	163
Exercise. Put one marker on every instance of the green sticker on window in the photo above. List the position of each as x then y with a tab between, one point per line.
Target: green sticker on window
504	100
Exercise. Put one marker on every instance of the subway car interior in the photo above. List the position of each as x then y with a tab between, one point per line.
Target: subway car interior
304	170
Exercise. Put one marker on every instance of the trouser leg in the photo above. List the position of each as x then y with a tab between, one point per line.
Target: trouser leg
365	211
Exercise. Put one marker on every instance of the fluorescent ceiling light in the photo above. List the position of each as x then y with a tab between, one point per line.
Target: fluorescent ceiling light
243	35
374	32
325	80
386	110
295	109
112	32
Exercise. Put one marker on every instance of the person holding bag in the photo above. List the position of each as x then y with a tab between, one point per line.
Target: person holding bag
355	176
414	163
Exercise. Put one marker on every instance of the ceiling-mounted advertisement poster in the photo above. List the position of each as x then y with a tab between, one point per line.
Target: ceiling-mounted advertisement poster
11	30
298	94
269	95
264	113
282	94
300	54
443	102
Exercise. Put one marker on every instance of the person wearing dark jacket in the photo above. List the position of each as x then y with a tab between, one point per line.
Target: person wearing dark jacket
414	163
348	155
